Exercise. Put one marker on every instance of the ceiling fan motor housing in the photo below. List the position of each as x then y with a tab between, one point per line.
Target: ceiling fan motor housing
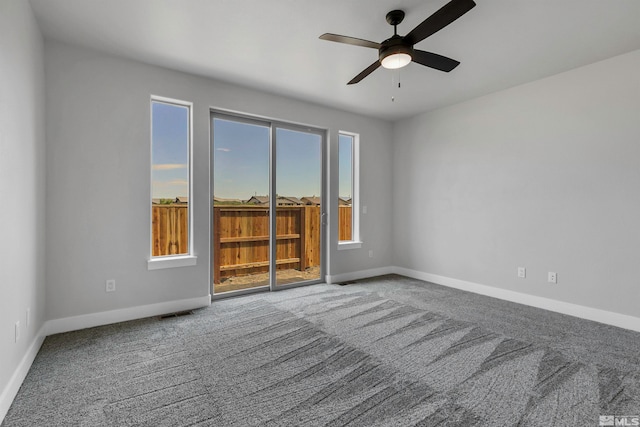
394	45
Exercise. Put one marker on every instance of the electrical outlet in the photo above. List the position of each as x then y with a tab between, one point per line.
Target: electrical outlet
28	317
364	209
371	253
522	272
552	277
110	286
17	331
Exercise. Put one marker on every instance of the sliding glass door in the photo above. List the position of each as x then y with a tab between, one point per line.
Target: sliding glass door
298	205
267	204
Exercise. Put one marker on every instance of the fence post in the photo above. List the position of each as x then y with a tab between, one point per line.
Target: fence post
303	237
216	245
155	231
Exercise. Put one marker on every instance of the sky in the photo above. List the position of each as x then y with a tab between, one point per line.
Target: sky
241	161
170	150
241	158
345	164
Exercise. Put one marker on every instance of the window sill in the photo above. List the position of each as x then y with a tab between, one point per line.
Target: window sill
342	246
171	262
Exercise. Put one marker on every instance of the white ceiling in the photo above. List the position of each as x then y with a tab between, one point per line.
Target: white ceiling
273	45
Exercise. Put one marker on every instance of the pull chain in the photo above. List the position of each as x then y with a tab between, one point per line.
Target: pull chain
395	76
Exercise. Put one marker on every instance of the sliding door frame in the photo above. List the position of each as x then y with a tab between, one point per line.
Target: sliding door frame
273	126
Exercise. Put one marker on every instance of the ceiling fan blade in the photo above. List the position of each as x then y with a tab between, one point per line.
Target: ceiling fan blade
440	19
434	60
370	69
349	40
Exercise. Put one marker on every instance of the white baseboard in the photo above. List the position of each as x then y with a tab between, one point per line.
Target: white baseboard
11	389
75	323
589	313
357	275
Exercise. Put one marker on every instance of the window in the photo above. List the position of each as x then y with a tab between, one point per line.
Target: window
171	234
348	203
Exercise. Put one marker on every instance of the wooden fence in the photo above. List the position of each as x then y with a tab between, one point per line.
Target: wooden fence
241	236
344	222
241	239
170	230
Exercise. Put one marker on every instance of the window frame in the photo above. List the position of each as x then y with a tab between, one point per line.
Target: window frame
356	240
178	260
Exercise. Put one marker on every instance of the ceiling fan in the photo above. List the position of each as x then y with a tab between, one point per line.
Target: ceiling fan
398	51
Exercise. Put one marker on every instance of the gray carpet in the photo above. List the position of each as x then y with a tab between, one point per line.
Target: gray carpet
388	351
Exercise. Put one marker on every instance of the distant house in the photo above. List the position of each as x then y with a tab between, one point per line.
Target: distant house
344	201
281	201
182	199
288	201
311	201
258	200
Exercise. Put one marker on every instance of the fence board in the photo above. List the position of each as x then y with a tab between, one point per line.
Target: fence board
216	245
312	236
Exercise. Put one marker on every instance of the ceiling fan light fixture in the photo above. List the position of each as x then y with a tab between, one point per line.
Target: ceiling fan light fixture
396	60
395	54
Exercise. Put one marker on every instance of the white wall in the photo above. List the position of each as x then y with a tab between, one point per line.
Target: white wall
544	176
98	166
21	191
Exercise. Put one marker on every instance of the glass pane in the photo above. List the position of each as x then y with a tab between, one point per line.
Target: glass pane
169	179
345	168
298	192
240	205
